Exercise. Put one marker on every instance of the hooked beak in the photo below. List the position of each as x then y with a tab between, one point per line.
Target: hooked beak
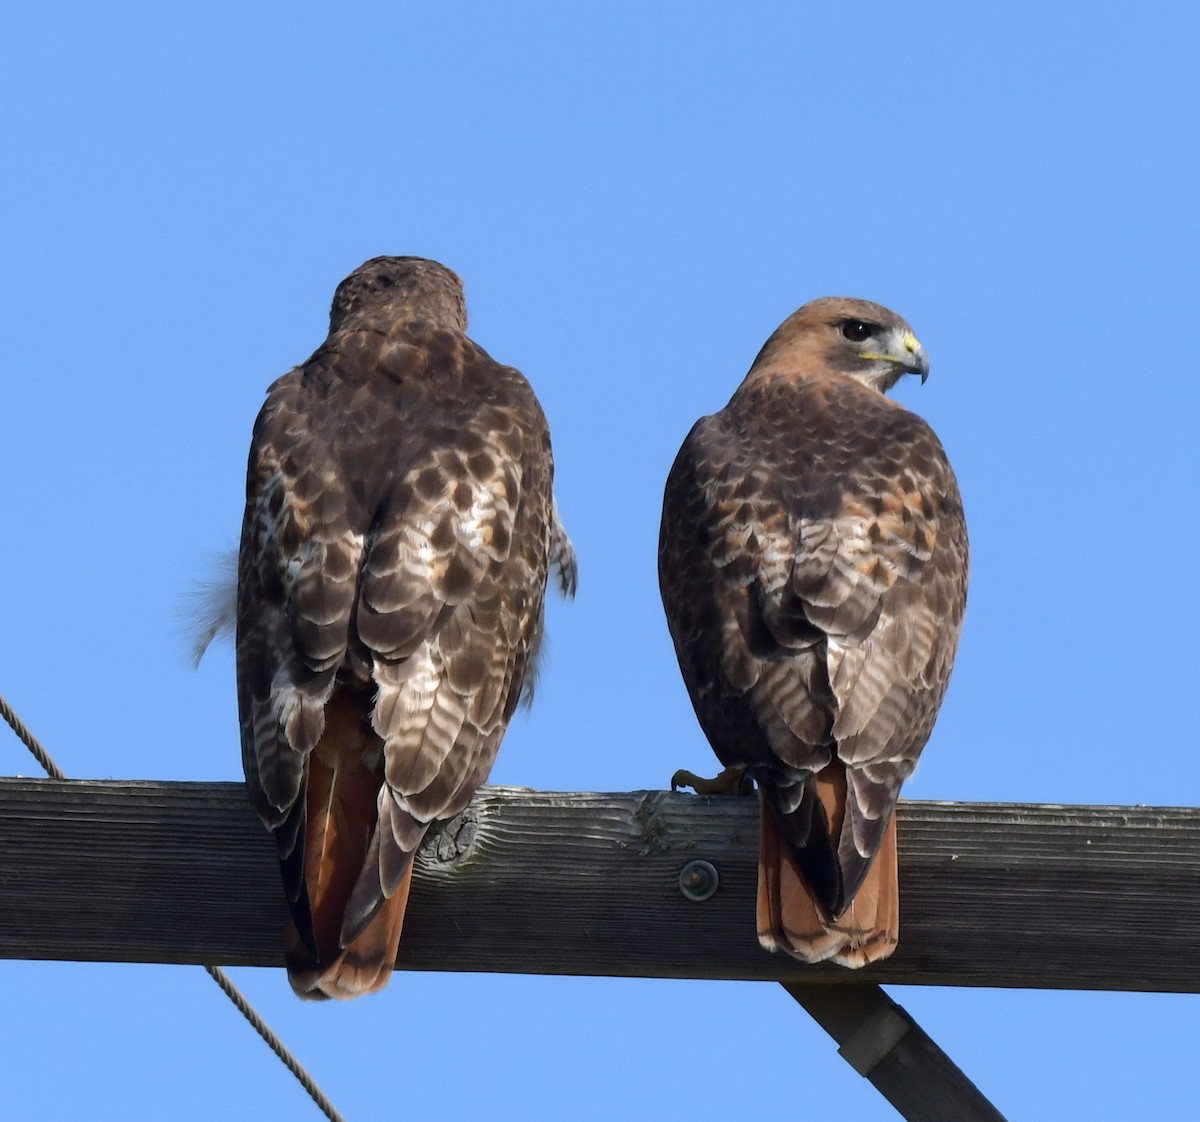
910	356
914	360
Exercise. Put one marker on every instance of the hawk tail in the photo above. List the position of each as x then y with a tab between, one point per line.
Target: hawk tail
363	966
790	919
341	869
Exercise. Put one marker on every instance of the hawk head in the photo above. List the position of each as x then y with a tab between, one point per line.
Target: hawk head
857	337
392	288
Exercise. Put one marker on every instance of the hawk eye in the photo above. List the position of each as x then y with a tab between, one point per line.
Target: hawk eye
856	331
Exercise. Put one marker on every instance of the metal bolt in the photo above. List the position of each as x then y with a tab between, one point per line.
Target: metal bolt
698	880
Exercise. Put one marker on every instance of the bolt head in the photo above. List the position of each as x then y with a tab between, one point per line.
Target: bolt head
698	880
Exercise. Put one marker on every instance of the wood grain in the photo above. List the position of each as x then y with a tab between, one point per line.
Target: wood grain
1070	897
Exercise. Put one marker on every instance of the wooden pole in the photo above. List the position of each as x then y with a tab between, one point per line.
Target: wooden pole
536	882
884	1044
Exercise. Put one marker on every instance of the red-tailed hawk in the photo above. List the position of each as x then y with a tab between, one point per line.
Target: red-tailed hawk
813	564
399	529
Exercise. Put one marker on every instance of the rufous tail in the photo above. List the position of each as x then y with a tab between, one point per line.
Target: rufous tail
362	967
790	919
342	810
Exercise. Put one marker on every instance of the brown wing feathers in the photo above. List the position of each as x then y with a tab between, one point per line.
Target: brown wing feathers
394	558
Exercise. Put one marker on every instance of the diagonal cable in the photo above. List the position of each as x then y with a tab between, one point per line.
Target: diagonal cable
274	1043
215	972
30	741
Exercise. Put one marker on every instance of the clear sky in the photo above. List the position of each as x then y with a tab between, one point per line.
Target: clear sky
636	195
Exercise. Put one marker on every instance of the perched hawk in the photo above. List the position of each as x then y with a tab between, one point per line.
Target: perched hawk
813	565
399	529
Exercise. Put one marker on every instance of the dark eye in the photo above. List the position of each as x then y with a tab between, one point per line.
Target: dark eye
856	331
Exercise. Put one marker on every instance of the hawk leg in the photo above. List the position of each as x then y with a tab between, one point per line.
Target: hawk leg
732	781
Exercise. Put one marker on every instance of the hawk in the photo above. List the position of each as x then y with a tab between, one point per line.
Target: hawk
813	567
399	528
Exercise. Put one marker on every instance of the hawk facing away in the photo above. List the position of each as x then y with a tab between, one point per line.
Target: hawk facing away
813	567
399	529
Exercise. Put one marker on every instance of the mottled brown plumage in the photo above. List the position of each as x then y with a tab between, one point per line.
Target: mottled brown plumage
813	565
399	529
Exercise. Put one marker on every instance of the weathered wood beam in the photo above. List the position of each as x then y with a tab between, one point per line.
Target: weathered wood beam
1070	897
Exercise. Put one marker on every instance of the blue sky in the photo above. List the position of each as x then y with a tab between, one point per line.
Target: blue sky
636	195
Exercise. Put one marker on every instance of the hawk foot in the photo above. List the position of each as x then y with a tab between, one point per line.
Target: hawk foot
732	781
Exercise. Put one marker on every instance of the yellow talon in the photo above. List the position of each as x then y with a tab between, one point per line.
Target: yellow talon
732	781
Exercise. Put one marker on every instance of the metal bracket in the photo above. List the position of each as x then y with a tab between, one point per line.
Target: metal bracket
875	1038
